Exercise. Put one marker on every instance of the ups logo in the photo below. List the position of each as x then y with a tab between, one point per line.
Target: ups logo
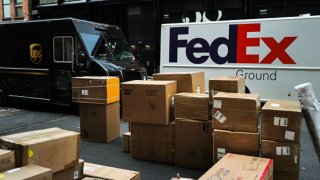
35	53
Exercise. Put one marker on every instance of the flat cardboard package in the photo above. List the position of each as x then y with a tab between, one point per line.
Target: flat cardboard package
95	89
236	111
192	82
281	121
29	172
52	148
278	175
106	172
235	166
286	155
193	144
6	160
126	142
100	122
148	101
153	142
191	106
234	84
234	142
75	172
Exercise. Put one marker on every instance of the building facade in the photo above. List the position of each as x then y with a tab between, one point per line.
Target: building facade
15	10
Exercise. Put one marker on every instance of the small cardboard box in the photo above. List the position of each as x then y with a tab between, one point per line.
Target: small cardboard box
192	82
234	84
191	106
235	166
236	111
95	89
278	175
153	142
29	172
52	148
126	142
6	160
148	102
100	122
75	172
106	172
234	142
193	144
281	121
286	155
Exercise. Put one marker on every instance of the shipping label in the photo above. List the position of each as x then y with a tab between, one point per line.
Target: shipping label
280	121
220	152
217	104
289	135
283	151
219	117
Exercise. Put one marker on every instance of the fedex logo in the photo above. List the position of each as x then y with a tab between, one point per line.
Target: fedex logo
237	44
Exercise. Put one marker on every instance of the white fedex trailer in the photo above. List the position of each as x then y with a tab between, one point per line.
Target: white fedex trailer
274	55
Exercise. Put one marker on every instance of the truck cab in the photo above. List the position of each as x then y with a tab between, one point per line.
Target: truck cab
41	60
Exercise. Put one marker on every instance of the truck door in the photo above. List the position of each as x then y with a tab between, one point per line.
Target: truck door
63	56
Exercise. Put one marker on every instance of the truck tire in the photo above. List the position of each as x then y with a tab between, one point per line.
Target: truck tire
3	95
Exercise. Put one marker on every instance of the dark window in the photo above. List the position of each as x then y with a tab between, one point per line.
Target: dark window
63	49
48	1
18	8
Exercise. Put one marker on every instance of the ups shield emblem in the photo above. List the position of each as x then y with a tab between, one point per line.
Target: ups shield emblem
35	53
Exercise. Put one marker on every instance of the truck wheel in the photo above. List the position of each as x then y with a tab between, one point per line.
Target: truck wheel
3	95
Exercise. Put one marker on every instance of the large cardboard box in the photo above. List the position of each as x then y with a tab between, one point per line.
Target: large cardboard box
95	89
126	142
100	122
234	84
234	166
281	121
192	82
191	106
278	175
286	155
75	172
52	148
153	142
234	142
148	101
29	172
106	172
236	111
193	144
6	160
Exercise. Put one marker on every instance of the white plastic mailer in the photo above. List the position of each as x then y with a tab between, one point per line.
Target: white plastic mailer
311	110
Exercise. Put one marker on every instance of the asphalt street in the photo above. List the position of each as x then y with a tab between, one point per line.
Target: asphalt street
21	118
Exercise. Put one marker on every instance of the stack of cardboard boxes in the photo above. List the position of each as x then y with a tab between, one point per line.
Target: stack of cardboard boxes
56	150
99	107
235	123
281	131
147	106
193	131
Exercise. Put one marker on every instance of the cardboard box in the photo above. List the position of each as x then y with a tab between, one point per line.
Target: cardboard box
191	106
29	172
100	122
6	160
281	121
193	144
277	175
286	155
95	89
192	82
234	142
106	172
236	111
153	142
75	172
234	166
234	84
52	148
126	142
148	101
